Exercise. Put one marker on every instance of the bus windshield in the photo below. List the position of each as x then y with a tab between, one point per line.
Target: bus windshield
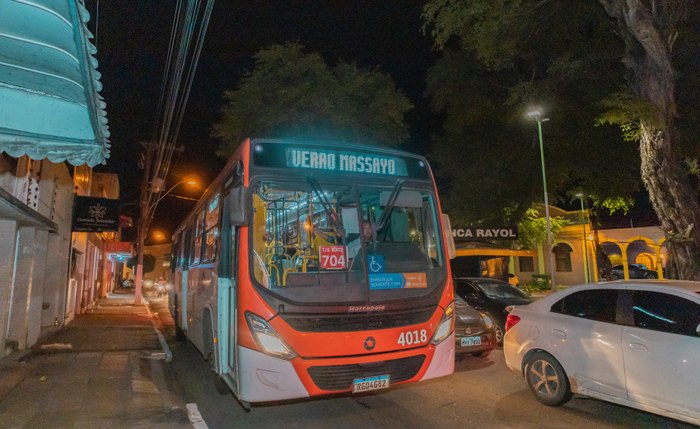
328	243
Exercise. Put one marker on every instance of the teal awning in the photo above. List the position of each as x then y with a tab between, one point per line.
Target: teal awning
50	106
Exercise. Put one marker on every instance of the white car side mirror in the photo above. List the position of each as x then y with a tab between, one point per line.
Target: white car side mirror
697	330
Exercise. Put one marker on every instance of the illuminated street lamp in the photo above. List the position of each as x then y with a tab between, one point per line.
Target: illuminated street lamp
146	212
584	243
538	117
190	182
158	236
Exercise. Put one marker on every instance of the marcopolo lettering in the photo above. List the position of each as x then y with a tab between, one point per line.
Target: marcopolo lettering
363	308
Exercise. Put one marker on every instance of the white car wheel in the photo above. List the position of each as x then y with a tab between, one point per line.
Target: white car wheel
547	380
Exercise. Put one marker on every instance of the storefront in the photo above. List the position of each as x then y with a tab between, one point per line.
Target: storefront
52	114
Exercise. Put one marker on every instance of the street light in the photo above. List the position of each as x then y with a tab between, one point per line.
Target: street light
158	235
190	182
584	243
538	117
146	211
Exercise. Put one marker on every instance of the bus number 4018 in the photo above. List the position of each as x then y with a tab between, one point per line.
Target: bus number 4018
413	337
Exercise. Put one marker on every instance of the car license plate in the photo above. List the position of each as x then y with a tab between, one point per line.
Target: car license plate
470	341
370	383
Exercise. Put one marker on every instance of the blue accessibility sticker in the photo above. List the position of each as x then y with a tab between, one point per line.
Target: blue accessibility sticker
375	263
386	281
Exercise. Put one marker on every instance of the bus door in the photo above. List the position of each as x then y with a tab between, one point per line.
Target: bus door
232	303
183	289
228	287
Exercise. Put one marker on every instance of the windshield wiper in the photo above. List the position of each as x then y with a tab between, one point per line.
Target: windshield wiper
331	214
390	203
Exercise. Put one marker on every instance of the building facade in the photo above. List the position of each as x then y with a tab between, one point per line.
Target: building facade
35	225
52	114
573	253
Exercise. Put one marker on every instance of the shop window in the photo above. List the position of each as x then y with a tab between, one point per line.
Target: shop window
527	264
562	256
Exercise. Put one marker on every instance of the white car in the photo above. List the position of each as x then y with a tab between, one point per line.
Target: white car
633	343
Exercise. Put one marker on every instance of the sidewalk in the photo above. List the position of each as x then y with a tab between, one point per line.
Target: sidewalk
106	369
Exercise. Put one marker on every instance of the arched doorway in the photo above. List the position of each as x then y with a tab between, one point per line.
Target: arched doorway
641	253
613	251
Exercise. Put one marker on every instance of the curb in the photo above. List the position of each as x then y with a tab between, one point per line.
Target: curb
13	371
161	338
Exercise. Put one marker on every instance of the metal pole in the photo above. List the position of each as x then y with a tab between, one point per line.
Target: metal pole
546	204
143	225
586	273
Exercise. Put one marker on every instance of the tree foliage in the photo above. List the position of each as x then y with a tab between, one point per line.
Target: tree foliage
591	70
499	61
293	93
532	229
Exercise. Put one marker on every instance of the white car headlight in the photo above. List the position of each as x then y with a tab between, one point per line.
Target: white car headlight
446	325
267	338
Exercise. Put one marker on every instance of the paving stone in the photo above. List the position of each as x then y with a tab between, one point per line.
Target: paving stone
105	381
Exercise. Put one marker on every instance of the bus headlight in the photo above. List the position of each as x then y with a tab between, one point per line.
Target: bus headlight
445	327
267	338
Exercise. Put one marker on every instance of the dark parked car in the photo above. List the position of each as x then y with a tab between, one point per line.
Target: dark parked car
475	332
636	272
492	297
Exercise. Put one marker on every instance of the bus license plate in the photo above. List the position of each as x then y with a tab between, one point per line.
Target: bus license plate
370	383
470	341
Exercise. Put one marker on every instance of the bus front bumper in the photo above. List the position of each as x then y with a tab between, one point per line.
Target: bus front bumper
266	378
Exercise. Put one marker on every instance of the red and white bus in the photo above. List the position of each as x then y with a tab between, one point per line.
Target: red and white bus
317	268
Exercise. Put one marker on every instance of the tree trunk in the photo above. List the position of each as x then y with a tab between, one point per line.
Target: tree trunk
648	36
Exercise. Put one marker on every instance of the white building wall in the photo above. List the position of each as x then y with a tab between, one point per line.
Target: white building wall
22	288
8	232
59	198
34	261
38	282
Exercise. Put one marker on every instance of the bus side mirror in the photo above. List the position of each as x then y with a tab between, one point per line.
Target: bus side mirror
449	239
238	212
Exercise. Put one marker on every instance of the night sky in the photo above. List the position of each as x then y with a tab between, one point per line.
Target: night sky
132	44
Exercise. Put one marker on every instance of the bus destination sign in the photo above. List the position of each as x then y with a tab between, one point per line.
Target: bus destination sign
343	161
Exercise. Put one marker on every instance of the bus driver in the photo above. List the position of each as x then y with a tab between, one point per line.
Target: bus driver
366	235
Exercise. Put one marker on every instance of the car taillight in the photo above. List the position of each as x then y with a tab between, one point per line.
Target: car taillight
511	321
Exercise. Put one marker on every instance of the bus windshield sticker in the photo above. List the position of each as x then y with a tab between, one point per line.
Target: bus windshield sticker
375	263
332	257
398	281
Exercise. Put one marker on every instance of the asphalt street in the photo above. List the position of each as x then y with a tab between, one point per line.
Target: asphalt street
482	393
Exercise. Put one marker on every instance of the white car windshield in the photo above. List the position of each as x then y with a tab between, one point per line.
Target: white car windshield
501	290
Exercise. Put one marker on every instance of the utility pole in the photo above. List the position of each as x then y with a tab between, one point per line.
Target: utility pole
538	117
147	211
143	221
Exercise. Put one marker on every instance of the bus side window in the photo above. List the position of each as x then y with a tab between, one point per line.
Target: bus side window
199	235
175	255
187	249
211	230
